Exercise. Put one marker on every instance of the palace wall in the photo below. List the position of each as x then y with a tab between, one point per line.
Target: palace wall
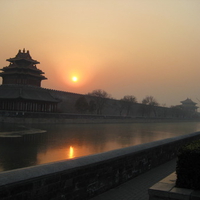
112	106
46	101
85	177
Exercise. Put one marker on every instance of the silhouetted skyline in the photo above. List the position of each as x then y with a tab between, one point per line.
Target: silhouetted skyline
129	47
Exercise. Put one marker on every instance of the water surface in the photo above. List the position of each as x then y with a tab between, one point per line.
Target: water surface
66	141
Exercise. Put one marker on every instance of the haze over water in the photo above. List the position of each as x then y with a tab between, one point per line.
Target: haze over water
69	141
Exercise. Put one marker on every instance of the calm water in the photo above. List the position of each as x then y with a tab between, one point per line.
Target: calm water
68	141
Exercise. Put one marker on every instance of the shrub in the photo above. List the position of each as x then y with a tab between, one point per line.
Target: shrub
188	166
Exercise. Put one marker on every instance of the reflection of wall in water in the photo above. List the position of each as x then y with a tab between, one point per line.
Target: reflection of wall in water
18	152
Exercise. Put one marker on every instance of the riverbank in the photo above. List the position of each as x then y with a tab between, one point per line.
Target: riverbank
65	118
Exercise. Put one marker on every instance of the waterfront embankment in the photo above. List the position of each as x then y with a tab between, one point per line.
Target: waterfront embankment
67	118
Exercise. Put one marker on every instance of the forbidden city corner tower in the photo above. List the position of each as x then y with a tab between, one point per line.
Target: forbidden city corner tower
22	70
21	86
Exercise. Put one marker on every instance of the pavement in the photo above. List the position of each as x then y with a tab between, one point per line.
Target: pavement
137	188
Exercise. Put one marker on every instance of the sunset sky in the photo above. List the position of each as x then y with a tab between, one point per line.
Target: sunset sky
125	47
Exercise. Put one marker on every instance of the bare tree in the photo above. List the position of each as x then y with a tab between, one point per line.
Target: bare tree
149	105
150	100
99	97
126	103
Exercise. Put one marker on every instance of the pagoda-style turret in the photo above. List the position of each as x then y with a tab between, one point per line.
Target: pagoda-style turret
189	105
22	70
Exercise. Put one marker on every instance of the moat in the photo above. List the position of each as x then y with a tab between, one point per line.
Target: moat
66	141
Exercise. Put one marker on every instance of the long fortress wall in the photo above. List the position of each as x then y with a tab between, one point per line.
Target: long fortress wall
68	113
85	177
68	101
112	106
67	104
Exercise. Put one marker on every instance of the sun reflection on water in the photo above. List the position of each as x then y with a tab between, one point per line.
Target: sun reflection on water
71	152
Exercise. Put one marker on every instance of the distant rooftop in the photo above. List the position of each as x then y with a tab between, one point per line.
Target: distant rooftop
188	101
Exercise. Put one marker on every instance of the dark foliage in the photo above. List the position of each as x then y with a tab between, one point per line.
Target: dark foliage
188	166
82	104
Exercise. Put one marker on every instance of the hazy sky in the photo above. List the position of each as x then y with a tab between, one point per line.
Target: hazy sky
125	47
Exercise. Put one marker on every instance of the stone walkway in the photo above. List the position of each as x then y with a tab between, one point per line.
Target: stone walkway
137	188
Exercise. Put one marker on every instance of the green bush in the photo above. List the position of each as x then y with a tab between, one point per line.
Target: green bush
188	166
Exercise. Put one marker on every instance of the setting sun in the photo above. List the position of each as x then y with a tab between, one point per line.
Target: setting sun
74	79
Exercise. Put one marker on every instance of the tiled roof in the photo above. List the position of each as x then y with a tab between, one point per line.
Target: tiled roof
188	101
25	92
22	55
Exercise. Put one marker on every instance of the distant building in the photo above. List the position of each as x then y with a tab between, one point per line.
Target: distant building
189	105
21	86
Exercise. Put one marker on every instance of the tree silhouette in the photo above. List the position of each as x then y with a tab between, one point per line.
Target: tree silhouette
82	104
99	97
126	103
149	104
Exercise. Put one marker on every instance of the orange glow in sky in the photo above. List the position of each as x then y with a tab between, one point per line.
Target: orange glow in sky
128	47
